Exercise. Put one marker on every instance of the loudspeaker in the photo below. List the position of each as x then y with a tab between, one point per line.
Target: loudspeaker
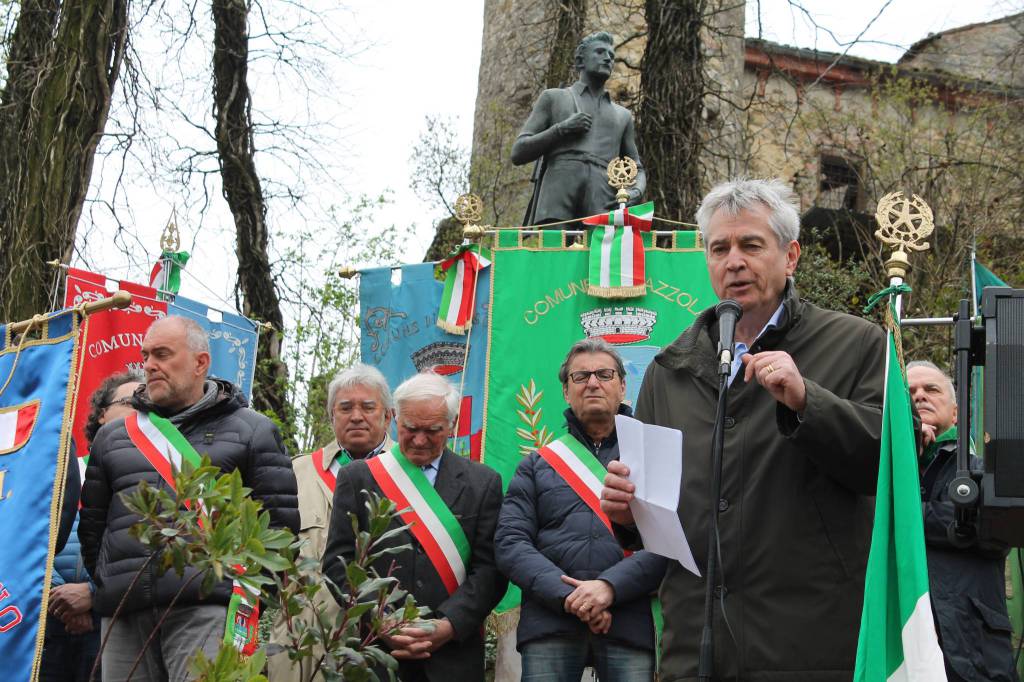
1002	484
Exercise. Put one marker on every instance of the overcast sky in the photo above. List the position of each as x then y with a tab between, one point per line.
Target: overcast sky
423	60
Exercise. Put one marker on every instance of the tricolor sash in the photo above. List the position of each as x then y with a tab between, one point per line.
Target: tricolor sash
164	447
580	469
585	475
430	520
329	473
617	261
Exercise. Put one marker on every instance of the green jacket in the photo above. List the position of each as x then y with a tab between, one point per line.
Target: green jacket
796	503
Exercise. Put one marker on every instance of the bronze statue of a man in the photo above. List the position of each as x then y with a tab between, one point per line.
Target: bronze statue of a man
573	133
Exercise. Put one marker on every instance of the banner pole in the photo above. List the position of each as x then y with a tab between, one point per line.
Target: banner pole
121	299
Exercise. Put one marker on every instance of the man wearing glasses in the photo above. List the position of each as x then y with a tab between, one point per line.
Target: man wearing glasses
584	601
360	408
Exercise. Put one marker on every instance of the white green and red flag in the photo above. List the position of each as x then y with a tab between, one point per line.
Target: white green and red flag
458	301
429	519
16	424
617	252
897	630
164	447
166	273
639	217
580	469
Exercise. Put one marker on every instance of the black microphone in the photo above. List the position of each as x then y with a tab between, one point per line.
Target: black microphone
728	312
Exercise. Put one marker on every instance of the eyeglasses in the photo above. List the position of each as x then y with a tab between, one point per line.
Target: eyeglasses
583	376
126	401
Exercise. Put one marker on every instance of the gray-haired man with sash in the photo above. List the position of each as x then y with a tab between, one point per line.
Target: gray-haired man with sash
179	414
583	599
452	508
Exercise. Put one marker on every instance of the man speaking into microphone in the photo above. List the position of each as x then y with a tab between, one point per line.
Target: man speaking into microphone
800	460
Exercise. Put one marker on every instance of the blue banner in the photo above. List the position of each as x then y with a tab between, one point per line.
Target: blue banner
399	335
232	341
35	431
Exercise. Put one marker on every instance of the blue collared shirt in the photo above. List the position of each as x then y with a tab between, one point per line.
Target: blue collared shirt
430	470
741	348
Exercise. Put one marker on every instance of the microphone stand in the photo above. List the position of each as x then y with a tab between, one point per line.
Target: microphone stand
706	665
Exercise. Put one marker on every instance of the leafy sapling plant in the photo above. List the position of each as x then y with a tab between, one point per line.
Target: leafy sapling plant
211	525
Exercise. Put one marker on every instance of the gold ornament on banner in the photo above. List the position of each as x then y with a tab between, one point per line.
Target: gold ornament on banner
622	172
903	224
170	240
469	210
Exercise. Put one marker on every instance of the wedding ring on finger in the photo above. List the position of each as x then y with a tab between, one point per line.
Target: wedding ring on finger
769	369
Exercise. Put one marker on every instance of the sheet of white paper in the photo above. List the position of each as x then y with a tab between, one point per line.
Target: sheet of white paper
654	457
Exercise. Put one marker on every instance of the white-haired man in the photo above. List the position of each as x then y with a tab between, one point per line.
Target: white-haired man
360	408
453	506
966	583
802	434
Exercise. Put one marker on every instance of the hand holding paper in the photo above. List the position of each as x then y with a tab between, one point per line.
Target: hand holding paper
653	455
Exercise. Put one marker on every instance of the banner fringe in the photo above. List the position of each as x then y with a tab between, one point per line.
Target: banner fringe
452	328
616	292
503	623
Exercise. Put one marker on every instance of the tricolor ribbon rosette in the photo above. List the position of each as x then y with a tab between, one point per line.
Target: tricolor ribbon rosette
459	298
617	251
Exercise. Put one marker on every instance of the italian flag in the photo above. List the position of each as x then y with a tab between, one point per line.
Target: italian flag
459	298
16	425
617	252
166	273
897	630
639	217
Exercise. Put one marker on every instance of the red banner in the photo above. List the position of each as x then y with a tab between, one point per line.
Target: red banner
111	340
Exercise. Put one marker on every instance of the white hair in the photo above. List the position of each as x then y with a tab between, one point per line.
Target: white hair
359	375
741	194
427	386
931	365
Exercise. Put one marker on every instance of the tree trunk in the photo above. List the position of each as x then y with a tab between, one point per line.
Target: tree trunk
243	191
62	67
570	15
669	123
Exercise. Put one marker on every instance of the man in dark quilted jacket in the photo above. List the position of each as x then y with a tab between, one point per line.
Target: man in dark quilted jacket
214	417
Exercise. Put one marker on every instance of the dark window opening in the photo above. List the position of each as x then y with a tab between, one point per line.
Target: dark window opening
839	187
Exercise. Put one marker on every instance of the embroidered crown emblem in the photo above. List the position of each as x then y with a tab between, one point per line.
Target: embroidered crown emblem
619	324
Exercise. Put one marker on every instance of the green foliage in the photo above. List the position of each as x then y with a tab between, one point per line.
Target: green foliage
213	526
323	336
831	284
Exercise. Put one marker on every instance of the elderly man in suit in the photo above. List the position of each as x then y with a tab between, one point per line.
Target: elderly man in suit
453	506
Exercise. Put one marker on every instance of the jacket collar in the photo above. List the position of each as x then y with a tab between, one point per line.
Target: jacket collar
694	349
449	483
577	431
218	396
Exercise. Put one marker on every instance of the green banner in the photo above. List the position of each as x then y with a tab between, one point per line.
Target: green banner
539	307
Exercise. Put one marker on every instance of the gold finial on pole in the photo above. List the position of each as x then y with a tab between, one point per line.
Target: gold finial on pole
622	172
170	239
347	272
903	224
469	210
